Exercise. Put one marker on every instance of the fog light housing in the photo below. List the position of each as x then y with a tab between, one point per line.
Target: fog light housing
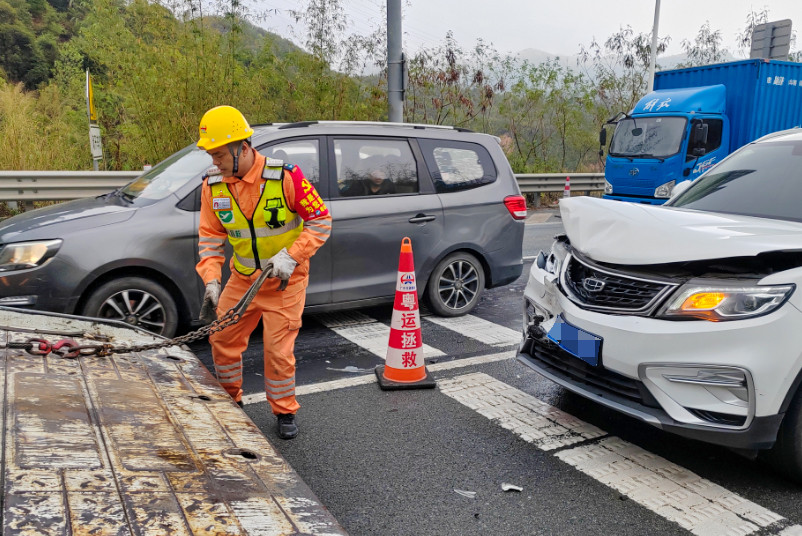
708	395
608	188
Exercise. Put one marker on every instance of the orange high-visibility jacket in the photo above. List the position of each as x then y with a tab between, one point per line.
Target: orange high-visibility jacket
301	197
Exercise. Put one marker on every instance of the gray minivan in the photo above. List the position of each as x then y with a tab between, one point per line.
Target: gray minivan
130	254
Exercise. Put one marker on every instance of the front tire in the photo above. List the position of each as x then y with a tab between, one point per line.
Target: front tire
136	301
786	454
456	284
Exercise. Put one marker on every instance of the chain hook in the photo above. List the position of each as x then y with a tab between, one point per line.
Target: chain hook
67	348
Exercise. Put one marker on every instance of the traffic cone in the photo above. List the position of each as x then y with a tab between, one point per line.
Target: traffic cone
567	191
404	367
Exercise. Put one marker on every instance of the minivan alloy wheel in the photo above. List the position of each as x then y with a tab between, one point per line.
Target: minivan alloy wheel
455	285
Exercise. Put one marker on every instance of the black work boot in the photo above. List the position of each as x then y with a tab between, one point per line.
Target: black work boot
287	429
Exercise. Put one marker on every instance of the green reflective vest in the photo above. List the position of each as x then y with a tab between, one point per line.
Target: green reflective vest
272	227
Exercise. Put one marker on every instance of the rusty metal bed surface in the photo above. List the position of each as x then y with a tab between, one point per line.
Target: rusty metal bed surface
140	443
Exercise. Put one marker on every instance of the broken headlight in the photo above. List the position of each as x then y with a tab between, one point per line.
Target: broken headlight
554	260
718	301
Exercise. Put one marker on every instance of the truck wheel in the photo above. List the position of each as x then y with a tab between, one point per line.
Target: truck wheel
455	285
786	455
136	301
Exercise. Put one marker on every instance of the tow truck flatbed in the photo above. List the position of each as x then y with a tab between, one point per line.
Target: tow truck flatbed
138	443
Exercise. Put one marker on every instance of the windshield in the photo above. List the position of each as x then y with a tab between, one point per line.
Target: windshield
648	137
168	176
762	179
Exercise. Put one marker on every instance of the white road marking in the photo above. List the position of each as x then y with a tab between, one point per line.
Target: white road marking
366	332
696	504
478	328
321	387
535	421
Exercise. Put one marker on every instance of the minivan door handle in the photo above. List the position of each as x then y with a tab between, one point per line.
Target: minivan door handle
421	218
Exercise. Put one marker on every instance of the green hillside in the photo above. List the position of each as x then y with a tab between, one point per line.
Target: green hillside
156	70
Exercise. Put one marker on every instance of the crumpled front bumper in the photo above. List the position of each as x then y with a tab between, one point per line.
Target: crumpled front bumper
648	370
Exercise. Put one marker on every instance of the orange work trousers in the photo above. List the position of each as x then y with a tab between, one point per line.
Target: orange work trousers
280	312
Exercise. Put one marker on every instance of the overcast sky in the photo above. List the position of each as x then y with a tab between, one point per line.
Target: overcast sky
556	26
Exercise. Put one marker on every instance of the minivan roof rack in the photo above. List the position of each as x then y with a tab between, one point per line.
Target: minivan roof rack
301	124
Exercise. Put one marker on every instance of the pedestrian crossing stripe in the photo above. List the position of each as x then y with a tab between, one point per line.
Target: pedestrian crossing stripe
667	489
673	492
372	335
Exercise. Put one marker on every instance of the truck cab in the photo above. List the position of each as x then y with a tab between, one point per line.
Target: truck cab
671	135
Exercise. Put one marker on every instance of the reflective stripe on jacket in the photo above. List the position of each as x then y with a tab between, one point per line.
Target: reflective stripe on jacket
272	227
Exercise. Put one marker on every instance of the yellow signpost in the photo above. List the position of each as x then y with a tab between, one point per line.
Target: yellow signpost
95	143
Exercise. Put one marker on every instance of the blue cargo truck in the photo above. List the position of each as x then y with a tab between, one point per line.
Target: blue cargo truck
693	119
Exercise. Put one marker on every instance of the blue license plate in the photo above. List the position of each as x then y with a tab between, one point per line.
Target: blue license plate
577	342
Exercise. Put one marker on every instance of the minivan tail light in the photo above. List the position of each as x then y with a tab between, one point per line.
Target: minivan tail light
516	204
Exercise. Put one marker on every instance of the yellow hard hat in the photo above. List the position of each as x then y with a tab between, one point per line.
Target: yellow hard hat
222	125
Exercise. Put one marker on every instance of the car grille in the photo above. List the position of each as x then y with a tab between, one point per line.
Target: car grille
560	362
597	288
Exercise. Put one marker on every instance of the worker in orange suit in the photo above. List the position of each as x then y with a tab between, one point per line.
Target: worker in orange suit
275	221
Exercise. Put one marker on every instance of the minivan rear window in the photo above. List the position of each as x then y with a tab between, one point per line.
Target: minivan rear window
457	166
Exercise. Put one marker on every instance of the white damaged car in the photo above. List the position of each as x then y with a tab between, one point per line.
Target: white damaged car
687	316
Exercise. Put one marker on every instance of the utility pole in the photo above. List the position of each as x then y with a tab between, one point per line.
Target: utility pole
653	59
395	65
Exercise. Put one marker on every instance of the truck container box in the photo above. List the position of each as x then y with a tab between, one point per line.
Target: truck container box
762	96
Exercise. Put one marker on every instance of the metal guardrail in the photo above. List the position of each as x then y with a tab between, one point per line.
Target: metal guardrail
30	186
555	182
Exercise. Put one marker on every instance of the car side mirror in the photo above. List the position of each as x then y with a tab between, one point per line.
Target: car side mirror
603	137
699	134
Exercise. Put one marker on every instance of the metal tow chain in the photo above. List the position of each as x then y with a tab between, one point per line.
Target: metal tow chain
70	349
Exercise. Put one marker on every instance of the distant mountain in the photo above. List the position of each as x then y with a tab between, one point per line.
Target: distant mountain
671	62
253	36
535	56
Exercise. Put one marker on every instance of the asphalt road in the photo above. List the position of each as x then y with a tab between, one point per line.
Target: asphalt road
434	461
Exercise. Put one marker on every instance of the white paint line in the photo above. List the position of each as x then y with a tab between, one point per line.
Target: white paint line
374	338
364	379
535	421
675	493
366	332
678	495
478	328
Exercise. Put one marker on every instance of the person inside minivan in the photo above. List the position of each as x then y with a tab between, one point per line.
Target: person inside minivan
375	184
